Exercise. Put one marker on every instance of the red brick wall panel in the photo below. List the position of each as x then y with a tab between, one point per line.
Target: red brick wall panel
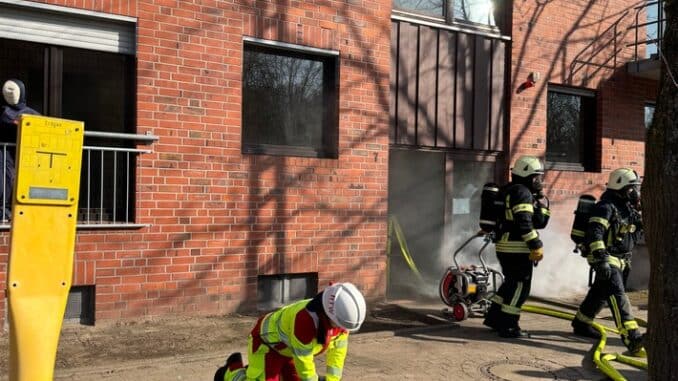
218	218
579	44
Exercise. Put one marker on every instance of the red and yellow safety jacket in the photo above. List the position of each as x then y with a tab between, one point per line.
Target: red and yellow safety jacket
297	332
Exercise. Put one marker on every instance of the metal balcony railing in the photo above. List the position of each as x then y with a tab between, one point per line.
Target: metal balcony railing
107	182
648	28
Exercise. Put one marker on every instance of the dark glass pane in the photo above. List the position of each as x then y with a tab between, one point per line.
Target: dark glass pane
98	88
476	11
564	122
24	61
433	8
287	99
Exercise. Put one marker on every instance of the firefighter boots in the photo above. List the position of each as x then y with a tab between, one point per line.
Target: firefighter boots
586	330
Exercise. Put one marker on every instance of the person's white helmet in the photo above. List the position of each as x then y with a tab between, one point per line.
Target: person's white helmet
621	177
344	305
527	165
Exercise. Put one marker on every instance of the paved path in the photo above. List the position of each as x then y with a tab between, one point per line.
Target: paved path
455	351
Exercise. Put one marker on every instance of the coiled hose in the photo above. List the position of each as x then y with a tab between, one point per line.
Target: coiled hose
602	360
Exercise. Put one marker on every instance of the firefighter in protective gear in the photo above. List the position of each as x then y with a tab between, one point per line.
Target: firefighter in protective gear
613	229
517	244
284	342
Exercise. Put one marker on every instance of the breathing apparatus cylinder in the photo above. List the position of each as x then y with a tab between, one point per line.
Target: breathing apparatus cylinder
490	207
581	220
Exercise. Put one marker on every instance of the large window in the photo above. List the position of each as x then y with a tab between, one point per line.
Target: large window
467	11
570	128
289	101
97	88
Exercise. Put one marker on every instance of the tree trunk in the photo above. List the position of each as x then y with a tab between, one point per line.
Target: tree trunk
660	212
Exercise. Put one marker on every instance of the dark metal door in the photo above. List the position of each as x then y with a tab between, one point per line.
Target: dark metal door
416	203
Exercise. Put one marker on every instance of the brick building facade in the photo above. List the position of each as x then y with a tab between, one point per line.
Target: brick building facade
222	220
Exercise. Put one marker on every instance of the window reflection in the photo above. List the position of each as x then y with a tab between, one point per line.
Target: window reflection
428	7
477	11
649	114
288	100
570	125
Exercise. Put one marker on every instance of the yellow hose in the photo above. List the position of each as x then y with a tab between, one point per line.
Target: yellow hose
601	360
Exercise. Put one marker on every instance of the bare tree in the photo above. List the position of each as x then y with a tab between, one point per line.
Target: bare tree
660	205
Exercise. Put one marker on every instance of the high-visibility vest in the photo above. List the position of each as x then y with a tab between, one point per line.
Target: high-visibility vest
278	328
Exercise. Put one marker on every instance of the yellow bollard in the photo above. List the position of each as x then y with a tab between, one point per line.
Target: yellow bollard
44	217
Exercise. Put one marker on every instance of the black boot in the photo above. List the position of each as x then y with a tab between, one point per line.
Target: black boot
234	361
635	344
586	330
513	333
492	319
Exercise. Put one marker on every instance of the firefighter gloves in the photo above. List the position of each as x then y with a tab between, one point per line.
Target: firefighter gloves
536	255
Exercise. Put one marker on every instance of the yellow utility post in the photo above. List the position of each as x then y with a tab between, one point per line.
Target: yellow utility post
44	215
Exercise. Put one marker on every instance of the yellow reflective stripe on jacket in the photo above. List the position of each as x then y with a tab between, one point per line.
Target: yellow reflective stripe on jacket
597	245
512	247
521	208
627	229
336	354
601	221
616	262
532	234
612	260
545	211
278	327
507	210
577	233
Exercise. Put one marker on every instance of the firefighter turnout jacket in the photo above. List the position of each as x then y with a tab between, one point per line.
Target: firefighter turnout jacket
297	331
522	216
614	227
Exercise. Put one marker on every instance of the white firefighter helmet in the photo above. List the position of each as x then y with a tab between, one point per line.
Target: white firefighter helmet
621	177
344	305
527	165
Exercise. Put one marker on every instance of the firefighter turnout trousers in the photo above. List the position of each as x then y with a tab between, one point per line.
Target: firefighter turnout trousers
512	294
611	291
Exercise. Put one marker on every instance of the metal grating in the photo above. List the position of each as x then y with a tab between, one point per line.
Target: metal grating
80	305
274	291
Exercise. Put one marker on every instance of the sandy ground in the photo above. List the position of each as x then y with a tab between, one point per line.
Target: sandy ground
400	341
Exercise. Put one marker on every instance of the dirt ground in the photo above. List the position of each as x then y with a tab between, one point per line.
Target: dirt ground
110	343
116	345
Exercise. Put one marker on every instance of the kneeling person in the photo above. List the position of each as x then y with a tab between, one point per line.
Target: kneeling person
283	343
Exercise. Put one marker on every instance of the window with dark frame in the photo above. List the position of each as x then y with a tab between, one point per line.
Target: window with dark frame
570	128
289	101
97	88
481	12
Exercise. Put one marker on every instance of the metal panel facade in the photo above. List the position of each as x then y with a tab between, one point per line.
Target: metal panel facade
450	88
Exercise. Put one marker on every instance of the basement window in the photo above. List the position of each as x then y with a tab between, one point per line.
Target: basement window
274	291
80	305
570	128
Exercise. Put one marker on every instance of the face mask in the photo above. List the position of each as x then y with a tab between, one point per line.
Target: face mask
11	93
633	195
536	184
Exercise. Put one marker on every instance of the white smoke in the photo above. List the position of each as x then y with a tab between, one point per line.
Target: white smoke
561	274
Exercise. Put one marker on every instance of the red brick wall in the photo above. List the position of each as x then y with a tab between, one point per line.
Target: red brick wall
581	44
218	218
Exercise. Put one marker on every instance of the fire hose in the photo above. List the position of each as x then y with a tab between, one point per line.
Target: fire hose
602	360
